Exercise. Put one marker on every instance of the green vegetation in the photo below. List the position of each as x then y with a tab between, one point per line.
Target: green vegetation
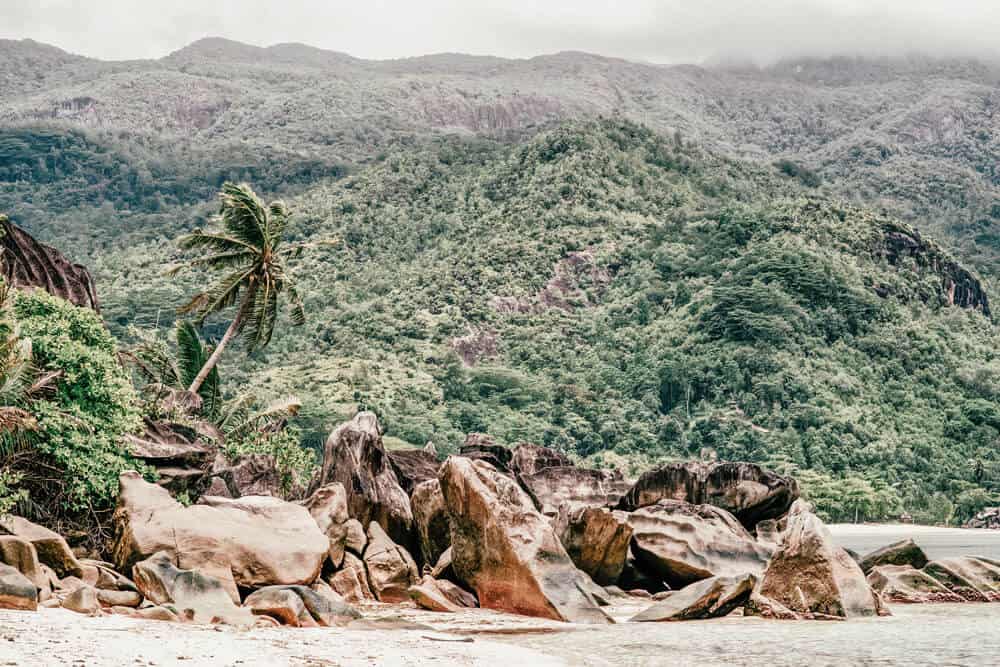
245	426
81	404
619	296
251	252
622	297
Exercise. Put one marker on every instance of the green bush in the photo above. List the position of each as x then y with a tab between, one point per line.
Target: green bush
81	424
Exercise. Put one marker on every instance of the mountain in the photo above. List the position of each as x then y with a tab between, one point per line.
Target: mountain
914	136
624	261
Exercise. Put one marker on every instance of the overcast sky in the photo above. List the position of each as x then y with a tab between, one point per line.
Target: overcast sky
651	30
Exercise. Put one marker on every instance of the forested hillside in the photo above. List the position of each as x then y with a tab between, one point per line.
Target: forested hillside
626	262
626	297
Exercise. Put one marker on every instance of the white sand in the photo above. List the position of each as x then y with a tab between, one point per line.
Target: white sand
60	637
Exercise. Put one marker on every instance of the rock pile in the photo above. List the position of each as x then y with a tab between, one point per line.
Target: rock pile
987	518
519	530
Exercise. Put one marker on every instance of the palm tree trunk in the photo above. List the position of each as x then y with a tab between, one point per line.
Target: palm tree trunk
217	352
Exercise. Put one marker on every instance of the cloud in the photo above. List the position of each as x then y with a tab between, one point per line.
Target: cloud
652	30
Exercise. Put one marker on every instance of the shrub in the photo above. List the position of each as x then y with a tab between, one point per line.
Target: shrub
81	424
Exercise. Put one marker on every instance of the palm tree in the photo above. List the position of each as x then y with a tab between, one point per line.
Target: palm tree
251	252
168	374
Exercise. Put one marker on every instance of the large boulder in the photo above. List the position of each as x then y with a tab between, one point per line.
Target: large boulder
481	447
28	264
102	576
506	551
428	595
391	570
746	490
250	542
197	596
328	507
988	517
973	578
16	590
351	580
83	601
680	543
51	548
355	457
811	576
430	518
300	606
597	539
413	466
109	598
905	552
553	487
709	598
904	583
20	554
356	539
528	459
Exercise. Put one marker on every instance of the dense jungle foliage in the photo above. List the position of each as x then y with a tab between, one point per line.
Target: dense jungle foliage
81	403
626	298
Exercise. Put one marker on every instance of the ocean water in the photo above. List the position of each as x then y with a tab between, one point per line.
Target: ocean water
932	634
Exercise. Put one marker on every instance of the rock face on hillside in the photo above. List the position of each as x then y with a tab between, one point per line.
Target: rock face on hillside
355	457
988	518
748	491
250	542
682	543
528	459
958	285
26	264
506	551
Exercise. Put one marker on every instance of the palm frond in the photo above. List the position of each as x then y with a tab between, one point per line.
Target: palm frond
236	410
271	419
259	325
224	261
298	311
215	242
277	219
243	215
224	294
